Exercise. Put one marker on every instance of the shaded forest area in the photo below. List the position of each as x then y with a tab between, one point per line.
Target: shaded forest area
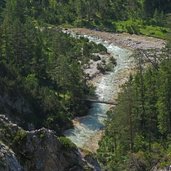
134	16
41	73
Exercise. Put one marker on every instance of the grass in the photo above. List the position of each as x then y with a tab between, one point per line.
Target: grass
66	143
154	31
132	26
138	27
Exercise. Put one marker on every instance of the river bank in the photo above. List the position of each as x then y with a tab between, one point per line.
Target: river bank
87	130
124	40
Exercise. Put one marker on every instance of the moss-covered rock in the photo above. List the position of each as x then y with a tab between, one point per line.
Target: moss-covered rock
37	150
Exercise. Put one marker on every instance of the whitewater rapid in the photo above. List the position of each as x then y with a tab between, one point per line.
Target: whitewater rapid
107	87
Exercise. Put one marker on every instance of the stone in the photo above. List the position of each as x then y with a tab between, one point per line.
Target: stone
37	150
8	160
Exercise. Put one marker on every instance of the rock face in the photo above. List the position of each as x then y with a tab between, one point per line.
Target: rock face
156	168
43	151
8	160
39	150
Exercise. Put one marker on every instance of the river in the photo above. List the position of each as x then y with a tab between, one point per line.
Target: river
87	130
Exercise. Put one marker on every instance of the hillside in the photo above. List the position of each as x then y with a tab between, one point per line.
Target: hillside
46	77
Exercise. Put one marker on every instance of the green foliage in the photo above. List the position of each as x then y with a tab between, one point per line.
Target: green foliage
130	26
96	58
100	15
109	67
132	16
41	67
42	80
19	137
138	128
141	27
66	143
164	94
151	6
113	60
155	31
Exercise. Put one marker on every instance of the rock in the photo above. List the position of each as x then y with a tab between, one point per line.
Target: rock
8	160
93	162
157	168
37	150
48	152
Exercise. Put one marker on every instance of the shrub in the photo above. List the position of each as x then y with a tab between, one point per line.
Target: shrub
101	68
109	67
113	60
96	57
102	48
19	136
66	143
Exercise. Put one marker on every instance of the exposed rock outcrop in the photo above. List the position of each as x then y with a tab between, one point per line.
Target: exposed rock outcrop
8	160
157	168
38	150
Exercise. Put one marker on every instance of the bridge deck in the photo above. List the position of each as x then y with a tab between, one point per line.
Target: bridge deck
101	101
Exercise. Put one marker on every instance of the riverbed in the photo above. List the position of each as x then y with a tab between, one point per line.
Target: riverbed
88	130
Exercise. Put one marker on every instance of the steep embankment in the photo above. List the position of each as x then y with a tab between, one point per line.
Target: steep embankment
22	150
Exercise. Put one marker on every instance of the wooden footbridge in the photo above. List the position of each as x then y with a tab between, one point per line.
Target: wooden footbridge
96	100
